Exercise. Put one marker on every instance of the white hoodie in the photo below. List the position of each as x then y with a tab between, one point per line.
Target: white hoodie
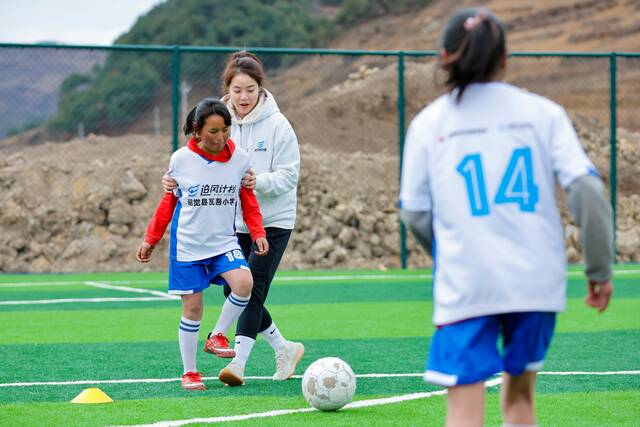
274	156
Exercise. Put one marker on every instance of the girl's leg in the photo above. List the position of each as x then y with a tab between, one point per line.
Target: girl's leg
526	338
517	398
188	338
465	405
188	330
192	306
240	283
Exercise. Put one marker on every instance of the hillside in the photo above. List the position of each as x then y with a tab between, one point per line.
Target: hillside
89	210
543	25
100	191
30	83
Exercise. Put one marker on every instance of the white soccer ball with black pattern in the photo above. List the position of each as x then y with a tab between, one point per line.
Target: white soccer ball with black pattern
328	384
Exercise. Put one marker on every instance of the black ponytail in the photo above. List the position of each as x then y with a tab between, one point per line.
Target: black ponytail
188	127
199	114
475	42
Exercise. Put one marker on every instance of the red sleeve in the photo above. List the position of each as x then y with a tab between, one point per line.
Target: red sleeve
251	213
161	219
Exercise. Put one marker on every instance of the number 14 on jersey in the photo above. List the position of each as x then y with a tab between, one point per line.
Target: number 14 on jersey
516	186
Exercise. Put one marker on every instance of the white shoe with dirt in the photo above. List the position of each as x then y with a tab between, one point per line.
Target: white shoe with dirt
233	374
287	357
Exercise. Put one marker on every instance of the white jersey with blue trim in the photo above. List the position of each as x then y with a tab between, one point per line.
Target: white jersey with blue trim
486	168
203	223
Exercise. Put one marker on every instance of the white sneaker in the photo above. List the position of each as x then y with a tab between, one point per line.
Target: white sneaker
287	357
232	374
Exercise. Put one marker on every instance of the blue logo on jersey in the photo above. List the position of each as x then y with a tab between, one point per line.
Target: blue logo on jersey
261	146
193	190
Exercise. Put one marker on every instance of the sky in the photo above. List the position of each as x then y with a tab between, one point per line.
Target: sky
96	22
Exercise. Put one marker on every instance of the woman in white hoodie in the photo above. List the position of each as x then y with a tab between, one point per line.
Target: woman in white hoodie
263	131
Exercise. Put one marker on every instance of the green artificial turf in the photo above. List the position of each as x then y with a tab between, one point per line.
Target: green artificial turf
379	322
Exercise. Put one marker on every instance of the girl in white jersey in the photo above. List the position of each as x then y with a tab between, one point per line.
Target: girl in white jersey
477	190
260	128
204	247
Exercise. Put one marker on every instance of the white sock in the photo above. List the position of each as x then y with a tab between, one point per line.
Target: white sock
273	336
231	310
243	348
188	341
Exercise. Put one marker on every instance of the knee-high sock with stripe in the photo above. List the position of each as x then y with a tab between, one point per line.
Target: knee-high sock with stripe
231	310
188	341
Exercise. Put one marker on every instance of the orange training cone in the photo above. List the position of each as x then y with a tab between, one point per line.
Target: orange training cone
92	395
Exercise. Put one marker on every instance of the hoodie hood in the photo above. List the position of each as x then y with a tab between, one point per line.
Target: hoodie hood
265	108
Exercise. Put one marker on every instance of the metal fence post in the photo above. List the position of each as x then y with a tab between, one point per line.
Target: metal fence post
403	230
175	96
613	168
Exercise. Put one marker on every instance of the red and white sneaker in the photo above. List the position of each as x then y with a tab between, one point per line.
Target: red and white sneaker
219	345
192	381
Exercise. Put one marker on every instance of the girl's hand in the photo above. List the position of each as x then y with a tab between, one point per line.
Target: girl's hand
261	246
598	294
249	180
143	254
169	184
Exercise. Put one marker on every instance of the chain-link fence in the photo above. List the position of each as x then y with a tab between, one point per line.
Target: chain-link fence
86	134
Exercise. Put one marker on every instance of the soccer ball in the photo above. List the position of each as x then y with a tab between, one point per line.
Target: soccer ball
328	384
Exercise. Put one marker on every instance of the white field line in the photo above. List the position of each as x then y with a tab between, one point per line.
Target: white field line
158	296
276	280
168	380
350	277
591	373
134	290
68	300
275	413
76	282
615	273
264	378
226	419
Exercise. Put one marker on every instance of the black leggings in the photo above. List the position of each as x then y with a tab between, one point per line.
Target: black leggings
255	318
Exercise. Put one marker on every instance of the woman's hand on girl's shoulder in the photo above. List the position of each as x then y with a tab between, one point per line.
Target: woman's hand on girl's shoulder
169	184
248	181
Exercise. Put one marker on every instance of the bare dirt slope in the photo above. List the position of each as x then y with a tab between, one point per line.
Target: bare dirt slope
591	25
544	25
349	102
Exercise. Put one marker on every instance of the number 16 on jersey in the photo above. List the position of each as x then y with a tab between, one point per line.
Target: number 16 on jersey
516	186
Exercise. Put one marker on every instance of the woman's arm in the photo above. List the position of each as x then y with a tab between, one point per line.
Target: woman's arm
285	164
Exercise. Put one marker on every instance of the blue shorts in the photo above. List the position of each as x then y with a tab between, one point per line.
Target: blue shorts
466	352
194	276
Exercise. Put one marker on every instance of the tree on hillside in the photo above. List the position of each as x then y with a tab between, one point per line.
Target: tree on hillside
115	94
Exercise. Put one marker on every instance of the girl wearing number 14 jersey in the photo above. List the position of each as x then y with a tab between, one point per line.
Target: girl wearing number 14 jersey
478	191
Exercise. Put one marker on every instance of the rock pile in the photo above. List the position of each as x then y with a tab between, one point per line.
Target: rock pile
84	205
